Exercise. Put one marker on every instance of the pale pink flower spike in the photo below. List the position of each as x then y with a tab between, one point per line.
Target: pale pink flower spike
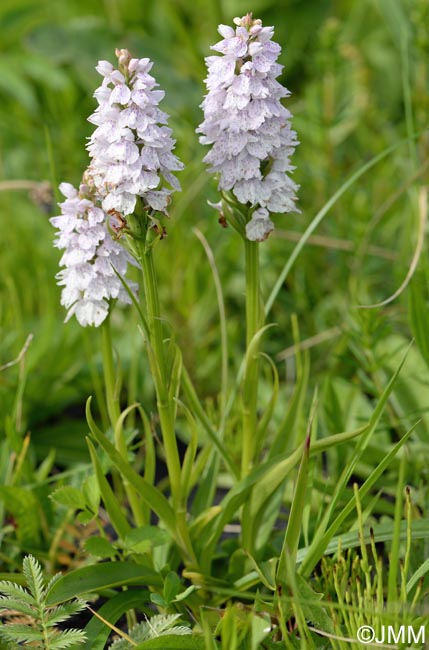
247	125
131	148
90	258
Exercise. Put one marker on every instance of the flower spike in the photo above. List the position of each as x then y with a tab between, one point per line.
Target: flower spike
90	258
131	148
246	124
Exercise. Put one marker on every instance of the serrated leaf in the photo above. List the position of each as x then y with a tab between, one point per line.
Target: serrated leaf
8	604
63	612
120	644
156	626
84	517
15	591
53	580
34	576
69	496
20	632
66	639
160	623
313	612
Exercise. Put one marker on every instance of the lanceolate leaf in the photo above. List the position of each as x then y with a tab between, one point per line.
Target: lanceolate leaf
322	535
320	542
268	477
101	576
293	530
421	571
117	517
154	498
381	532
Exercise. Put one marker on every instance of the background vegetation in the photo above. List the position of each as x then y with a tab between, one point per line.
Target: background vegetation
359	80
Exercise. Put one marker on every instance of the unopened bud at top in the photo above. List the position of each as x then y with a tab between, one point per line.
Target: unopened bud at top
124	57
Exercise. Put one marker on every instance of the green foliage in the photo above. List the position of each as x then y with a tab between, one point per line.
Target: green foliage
156	626
355	581
29	620
210	551
98	577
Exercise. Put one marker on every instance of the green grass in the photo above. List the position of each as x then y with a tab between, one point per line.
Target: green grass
358	74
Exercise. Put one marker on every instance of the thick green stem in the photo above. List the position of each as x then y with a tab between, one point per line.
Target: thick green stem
165	403
250	382
159	371
154	313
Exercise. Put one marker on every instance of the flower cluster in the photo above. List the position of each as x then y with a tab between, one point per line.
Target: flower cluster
247	125
131	148
90	258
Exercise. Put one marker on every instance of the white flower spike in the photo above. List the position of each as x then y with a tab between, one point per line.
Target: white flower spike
131	148
90	257
246	124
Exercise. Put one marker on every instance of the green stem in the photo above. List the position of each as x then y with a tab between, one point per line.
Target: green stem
153	310
114	411
250	382
96	380
110	383
158	363
141	244
165	403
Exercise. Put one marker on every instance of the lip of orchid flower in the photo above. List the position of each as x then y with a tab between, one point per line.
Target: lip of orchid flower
132	147
246	124
260	225
91	257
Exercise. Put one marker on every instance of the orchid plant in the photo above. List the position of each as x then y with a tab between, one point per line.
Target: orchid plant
115	220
